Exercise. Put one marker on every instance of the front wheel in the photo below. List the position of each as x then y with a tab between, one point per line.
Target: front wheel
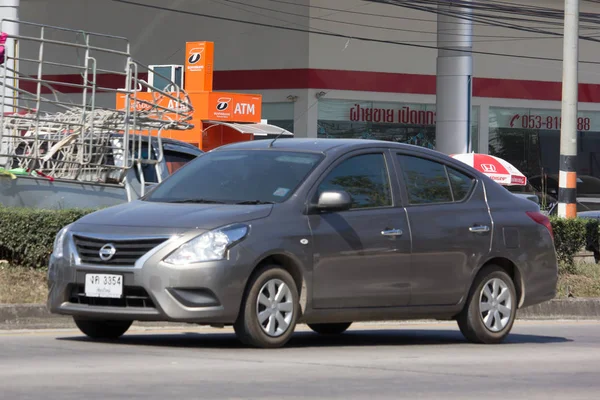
269	309
330	329
100	329
491	307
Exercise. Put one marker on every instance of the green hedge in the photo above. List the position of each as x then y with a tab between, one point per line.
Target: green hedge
569	239
27	235
573	235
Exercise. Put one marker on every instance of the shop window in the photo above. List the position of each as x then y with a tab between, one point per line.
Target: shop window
475	129
278	114
395	122
364	177
530	140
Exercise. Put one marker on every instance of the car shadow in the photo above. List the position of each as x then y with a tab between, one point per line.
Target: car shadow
352	338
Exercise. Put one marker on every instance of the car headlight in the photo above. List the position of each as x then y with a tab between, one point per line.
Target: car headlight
59	242
210	246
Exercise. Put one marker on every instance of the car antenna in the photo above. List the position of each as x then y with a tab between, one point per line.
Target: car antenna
321	94
276	137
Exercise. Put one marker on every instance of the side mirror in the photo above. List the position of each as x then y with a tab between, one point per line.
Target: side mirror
334	201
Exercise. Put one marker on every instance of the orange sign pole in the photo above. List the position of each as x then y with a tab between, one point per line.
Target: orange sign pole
199	63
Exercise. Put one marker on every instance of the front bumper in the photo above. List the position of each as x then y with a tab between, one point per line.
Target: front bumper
206	293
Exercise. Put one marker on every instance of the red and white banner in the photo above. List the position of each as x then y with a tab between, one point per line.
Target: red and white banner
496	168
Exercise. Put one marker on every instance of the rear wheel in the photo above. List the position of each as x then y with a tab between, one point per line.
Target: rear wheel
491	307
330	329
101	329
269	310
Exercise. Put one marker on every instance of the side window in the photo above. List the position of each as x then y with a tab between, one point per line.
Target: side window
148	170
461	184
364	177
176	160
426	181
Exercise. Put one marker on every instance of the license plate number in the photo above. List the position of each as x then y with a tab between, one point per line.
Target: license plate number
104	285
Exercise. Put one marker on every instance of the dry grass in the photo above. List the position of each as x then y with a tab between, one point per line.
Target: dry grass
22	285
584	283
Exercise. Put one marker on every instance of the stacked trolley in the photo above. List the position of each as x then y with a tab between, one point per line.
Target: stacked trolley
68	135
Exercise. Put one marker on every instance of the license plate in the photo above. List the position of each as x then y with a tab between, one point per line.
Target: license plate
104	285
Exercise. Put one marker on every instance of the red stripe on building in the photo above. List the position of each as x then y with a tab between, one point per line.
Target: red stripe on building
324	79
528	90
57	81
347	80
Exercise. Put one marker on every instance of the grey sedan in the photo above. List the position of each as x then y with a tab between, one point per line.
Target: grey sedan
264	235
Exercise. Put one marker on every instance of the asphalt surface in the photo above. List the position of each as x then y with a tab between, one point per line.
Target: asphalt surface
540	360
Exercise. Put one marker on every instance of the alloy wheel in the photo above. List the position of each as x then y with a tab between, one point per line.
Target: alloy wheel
495	305
274	307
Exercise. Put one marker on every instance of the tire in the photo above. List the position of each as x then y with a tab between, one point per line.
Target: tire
484	327
269	333
100	329
330	329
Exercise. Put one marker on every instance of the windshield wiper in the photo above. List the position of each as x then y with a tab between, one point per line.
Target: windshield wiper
197	201
252	202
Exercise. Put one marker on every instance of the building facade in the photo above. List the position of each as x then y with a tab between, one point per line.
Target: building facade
367	70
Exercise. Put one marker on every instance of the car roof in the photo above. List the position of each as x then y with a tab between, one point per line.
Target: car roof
333	147
317	145
181	143
164	140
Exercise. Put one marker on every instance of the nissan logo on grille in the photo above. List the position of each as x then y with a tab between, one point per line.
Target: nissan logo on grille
107	252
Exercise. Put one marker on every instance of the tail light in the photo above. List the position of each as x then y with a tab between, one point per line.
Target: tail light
541	219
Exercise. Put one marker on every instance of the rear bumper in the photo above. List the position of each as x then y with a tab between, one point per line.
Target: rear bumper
541	283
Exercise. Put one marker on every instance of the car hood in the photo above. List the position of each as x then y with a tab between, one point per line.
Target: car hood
144	214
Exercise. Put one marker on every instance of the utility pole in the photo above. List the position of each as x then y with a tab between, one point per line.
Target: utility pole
567	181
454	78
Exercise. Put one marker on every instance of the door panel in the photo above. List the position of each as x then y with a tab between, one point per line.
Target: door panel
362	256
450	228
445	251
355	264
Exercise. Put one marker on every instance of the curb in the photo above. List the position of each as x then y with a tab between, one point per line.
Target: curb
36	316
563	309
31	316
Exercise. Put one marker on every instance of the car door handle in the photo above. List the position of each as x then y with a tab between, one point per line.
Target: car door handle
479	229
392	232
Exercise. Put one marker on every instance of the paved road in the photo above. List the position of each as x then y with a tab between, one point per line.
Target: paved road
542	360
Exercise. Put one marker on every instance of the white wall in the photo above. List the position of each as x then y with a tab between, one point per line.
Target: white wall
158	37
396	24
355	54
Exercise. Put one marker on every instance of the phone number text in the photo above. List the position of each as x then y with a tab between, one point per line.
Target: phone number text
547	122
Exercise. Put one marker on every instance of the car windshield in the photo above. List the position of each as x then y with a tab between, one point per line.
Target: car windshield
237	177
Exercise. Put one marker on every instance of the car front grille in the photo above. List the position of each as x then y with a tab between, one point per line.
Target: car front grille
127	251
133	296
